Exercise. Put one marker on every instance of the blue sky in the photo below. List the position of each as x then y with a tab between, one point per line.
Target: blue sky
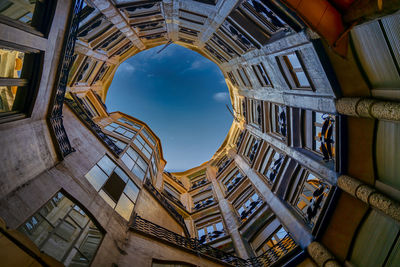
181	95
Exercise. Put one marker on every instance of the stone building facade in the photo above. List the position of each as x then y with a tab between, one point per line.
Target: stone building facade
308	174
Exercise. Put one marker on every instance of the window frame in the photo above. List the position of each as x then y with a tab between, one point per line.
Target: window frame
29	82
289	72
264	80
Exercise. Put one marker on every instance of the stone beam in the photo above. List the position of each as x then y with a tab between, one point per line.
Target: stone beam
115	17
312	164
229	217
224	8
369	195
170	10
84	50
369	108
297	229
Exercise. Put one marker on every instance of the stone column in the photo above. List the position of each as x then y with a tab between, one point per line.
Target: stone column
369	108
294	225
228	215
370	196
321	255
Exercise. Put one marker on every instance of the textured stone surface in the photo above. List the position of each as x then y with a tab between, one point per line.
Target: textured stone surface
347	106
321	255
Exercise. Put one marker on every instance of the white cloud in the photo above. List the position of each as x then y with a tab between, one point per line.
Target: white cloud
126	67
221	96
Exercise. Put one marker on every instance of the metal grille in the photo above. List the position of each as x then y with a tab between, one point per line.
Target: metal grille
143	226
268	258
55	116
164	202
79	111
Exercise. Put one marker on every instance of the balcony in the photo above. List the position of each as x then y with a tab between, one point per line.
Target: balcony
164	202
191	244
211	236
199	184
271	256
233	183
204	203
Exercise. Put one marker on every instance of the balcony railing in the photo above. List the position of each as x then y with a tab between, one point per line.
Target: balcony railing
173	199
204	203
55	115
199	184
271	256
193	245
83	116
164	202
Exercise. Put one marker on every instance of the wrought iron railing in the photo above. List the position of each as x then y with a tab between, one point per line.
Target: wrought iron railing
148	228
83	116
271	256
164	202
55	115
173	199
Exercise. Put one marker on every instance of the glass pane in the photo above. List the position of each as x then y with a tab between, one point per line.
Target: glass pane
142	163
107	165
120	130
91	242
18	10
36	228
302	78
294	61
121	174
114	186
124	207
12	98
219	226
107	198
129	134
138	172
128	161
281	233
109	128
131	190
96	177
210	229
201	232
11	63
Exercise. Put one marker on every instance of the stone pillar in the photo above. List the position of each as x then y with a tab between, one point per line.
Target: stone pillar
366	10
369	108
279	207
370	196
228	215
321	255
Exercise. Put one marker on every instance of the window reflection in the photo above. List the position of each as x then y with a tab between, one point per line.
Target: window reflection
64	231
114	186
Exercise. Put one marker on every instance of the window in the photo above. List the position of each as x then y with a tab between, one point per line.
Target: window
271	164
232	78
209	232
154	163
18	74
251	148
64	231
198	181
279	120
149	137
262	75
272	234
135	163
204	203
319	133
114	186
249	206
311	197
294	72
88	106
232	180
255	112
121	130
131	123
26	14
143	146
117	142
243	76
